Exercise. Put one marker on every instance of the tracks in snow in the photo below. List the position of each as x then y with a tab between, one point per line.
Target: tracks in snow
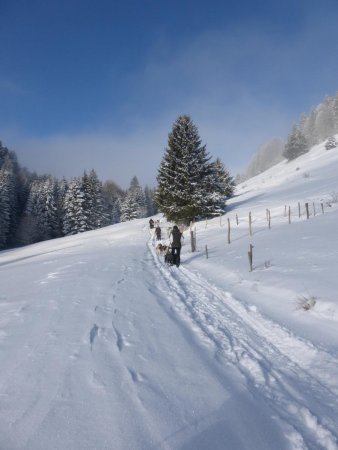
292	376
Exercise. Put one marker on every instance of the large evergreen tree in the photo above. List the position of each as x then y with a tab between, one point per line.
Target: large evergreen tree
183	192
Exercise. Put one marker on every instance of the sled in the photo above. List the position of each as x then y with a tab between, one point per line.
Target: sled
170	259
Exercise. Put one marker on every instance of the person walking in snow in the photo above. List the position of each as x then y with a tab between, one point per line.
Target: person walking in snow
158	232
151	224
176	245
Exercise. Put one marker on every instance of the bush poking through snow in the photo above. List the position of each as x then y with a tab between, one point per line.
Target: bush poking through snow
331	143
307	303
267	264
332	199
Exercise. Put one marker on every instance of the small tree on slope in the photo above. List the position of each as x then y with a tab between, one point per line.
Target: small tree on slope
296	145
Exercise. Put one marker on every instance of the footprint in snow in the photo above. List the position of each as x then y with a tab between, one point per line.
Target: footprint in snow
135	376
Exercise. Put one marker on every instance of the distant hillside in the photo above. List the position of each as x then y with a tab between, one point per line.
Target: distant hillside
320	124
267	156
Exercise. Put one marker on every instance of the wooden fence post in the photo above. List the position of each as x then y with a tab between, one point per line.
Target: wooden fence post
206	251
269	219
285	211
193	240
228	230
314	208
289	215
322	208
237	219
298	209
250	257
307	210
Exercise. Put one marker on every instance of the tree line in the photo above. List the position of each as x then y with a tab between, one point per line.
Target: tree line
319	125
35	207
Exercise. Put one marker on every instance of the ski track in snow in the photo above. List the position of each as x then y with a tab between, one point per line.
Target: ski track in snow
280	367
71	364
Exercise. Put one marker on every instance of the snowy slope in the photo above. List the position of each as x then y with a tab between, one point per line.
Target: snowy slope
104	347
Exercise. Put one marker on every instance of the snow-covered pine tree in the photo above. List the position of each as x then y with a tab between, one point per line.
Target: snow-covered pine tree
9	164
184	174
296	144
41	212
75	218
325	119
139	197
223	178
129	207
307	127
51	226
331	143
335	113
133	206
150	201
5	206
61	187
93	205
112	193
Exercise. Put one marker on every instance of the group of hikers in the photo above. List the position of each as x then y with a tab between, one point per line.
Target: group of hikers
175	236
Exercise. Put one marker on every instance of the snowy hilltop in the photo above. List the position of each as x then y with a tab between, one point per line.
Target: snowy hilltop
103	346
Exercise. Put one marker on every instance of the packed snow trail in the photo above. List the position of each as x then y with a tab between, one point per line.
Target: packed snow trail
280	368
93	356
102	346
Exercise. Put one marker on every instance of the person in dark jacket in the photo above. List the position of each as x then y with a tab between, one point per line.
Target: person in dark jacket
158	232
151	224
176	245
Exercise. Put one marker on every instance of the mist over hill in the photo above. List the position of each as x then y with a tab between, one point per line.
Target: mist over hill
267	156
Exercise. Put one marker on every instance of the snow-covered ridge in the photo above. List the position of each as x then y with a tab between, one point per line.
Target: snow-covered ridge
104	346
315	163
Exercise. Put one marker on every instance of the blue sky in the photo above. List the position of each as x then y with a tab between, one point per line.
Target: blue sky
87	84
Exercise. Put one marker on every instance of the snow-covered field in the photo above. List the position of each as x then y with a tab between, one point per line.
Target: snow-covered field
102	346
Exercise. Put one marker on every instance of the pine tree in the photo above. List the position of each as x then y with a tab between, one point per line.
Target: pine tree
5	207
136	191
331	143
296	144
133	206
149	195
61	187
184	174
75	218
129	207
223	179
112	194
41	212
325	119
93	201
335	113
